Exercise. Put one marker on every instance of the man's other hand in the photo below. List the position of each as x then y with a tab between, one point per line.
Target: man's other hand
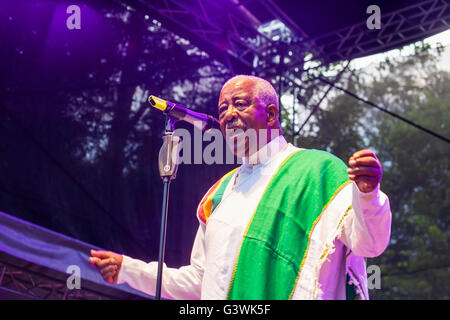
107	263
365	169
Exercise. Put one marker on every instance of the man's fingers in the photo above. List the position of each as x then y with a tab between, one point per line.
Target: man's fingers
364	153
364	171
105	262
108	269
364	162
101	254
94	260
369	179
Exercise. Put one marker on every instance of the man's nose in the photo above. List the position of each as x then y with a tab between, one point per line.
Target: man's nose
230	114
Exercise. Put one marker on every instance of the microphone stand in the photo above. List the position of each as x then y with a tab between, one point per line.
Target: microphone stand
168	165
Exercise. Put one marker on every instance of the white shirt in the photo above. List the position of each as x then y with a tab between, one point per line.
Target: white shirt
365	231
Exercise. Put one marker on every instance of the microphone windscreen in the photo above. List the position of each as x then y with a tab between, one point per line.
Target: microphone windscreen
157	103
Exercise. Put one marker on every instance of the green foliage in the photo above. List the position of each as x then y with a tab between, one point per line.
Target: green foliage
418	185
416	166
339	126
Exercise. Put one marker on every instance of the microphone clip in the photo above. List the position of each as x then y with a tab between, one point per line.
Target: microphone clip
168	154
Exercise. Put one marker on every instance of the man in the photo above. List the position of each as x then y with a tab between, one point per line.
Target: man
289	223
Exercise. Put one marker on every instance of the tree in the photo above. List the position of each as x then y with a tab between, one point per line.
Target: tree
79	141
416	167
416	177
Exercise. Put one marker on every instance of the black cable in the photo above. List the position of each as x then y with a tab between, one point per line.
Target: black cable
316	107
385	110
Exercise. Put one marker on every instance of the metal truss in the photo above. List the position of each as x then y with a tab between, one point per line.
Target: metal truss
235	32
398	28
257	37
247	36
29	285
24	280
263	39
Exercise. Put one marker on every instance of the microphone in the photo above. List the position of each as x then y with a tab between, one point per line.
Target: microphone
201	121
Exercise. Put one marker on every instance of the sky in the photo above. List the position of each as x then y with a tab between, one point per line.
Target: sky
371	63
442	38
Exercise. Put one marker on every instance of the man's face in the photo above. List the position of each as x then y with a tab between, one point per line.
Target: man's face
240	108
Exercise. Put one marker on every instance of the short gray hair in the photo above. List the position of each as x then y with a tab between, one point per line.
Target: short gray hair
264	89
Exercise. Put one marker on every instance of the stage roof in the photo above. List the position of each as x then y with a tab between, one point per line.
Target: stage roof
402	22
250	32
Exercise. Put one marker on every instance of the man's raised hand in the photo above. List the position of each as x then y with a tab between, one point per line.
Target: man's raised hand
365	169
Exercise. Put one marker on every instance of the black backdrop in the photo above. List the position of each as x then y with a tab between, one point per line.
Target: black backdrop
78	143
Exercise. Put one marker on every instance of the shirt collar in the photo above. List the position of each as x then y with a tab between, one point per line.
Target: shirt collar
267	152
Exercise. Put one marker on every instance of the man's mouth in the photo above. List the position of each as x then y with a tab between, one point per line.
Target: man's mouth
235	124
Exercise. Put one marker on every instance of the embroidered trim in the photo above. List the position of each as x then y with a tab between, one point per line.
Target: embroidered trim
309	237
248	226
329	249
206	206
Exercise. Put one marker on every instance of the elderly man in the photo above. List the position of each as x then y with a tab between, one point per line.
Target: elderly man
289	223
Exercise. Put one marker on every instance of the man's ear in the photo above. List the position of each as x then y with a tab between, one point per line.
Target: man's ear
272	115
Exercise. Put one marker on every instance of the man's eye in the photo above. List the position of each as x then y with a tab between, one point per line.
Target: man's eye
240	104
222	109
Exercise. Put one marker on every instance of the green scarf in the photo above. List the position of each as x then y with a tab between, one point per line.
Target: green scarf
276	240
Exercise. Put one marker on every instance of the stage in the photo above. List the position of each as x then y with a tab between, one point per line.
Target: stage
34	262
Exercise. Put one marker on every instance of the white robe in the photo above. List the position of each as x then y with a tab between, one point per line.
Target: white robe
365	231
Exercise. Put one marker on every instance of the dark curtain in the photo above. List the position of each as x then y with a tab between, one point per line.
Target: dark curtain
79	144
